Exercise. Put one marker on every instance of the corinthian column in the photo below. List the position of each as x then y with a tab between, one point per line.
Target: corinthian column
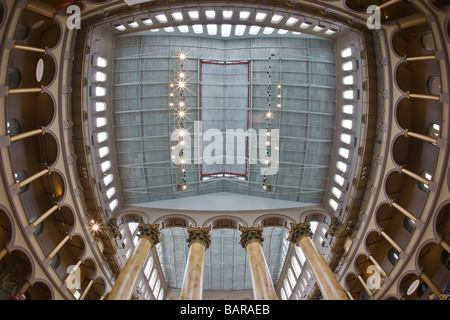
251	240
149	236
199	240
330	288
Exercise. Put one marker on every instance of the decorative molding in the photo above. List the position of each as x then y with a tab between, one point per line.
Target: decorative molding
298	231
200	235
335	228
150	232
250	234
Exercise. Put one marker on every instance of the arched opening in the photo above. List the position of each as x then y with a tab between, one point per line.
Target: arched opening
405	191
6	227
36	69
434	269
392	222
43	31
15	270
38	291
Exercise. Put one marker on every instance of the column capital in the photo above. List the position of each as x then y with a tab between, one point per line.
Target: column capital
298	231
335	227
250	234
201	235
150	232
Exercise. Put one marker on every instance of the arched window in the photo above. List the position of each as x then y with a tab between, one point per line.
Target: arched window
148	267
287	288
283	294
153	279
296	266
291	278
300	255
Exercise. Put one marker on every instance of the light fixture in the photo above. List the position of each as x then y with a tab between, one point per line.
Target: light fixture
120	27
181	114
346	52
133	24
305	25
331	31
147	21
318	28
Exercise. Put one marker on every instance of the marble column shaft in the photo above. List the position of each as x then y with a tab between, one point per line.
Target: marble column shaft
199	241
126	282
329	286
251	239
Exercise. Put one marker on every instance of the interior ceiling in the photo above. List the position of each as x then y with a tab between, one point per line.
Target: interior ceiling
143	121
